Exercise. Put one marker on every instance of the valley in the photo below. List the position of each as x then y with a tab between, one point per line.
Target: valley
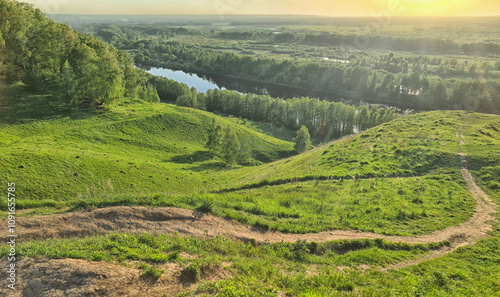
127	183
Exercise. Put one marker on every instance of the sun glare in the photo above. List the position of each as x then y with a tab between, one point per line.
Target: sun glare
437	7
434	7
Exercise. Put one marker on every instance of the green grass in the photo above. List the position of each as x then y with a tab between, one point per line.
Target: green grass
151	271
401	206
470	271
279	266
135	148
398	178
299	269
407	182
409	146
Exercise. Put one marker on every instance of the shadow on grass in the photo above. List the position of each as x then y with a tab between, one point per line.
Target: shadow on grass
213	166
199	156
19	105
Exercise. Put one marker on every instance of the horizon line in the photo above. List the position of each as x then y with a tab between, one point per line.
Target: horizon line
295	15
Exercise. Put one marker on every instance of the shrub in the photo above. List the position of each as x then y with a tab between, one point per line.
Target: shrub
206	206
151	271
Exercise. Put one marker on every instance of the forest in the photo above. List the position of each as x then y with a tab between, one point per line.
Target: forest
421	70
76	69
84	70
325	120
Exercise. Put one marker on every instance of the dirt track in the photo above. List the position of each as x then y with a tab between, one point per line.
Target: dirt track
43	277
187	222
182	221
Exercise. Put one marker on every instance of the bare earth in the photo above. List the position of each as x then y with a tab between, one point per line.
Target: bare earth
78	278
45	277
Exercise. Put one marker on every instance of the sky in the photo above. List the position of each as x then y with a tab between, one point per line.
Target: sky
270	7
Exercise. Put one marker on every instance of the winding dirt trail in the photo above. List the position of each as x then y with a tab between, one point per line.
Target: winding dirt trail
187	222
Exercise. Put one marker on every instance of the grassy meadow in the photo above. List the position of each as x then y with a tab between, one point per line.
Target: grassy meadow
400	178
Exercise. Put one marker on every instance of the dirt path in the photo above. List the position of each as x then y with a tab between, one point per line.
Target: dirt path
187	222
183	221
485	208
43	277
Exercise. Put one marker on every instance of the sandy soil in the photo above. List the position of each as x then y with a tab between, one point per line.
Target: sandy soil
69	277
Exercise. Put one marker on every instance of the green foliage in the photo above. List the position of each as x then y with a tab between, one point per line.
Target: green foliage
186	100
387	70
244	155
52	58
230	147
214	138
206	206
326	120
302	140
148	93
224	143
151	271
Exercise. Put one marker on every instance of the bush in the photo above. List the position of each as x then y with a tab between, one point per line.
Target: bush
206	206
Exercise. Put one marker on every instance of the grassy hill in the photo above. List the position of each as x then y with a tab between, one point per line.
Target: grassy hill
133	148
400	178
408	146
429	230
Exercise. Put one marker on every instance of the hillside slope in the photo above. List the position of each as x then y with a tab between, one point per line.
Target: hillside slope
408	146
134	148
402	177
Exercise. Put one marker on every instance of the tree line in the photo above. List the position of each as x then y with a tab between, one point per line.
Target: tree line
370	76
384	78
432	45
325	120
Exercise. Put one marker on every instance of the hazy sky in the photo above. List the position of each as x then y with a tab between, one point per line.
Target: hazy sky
309	7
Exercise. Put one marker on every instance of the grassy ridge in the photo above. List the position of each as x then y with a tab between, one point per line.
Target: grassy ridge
134	148
482	144
357	183
409	146
398	178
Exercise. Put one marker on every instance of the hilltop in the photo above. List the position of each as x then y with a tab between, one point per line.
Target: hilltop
134	148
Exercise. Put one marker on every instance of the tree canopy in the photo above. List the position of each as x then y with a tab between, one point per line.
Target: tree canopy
302	140
76	68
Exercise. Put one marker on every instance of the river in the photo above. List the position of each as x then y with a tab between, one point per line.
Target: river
204	82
